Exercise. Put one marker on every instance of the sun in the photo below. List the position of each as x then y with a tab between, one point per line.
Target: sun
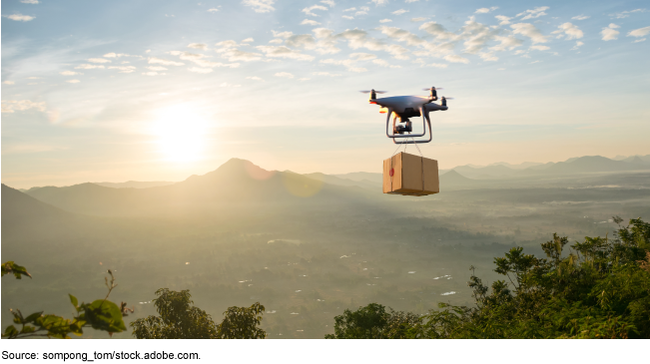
181	133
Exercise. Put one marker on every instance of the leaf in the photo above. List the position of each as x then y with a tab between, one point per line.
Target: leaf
104	315
74	302
10	331
17	270
33	317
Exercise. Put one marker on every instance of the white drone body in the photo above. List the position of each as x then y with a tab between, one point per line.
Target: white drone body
405	107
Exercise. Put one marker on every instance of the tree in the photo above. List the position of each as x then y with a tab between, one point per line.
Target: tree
100	314
179	319
242	323
600	288
374	322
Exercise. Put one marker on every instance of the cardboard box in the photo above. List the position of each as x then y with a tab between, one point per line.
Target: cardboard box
412	175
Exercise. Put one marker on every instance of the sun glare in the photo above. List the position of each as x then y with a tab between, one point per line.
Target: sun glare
181	133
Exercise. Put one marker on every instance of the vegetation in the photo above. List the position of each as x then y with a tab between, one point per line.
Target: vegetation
600	289
100	314
179	319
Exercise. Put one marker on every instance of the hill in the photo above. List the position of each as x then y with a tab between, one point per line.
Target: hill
235	185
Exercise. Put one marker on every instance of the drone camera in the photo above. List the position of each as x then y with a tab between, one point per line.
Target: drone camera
405	127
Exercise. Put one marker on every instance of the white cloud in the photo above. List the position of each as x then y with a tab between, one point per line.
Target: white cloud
485	10
70	73
226	44
302	79
581	17
284	52
284	75
401	35
625	14
507	42
417	20
641	32
254	78
347	17
363	56
578	45
571	31
198	46
29	1
72	81
9	82
309	22
164	62
308	10
98	60
534	13
153	74
350	9
123	69
488	56
10	106
200	70
88	66
503	20
530	31
384	63
213	10
436	30
380	2
329	3
248	40
639	40
411	1
454	58
540	48
260	6
236	55
610	32
327	74
156	68
20	17
276	41
110	55
399	12
385	21
350	64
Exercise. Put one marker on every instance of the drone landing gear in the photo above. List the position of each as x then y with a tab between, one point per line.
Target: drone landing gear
402	132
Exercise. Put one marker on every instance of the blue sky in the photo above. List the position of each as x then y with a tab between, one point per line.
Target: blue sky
160	90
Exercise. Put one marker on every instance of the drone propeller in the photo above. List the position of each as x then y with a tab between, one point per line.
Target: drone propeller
369	91
449	98
435	88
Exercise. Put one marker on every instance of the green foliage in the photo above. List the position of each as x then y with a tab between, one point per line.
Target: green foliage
374	322
101	314
179	319
242	323
600	289
12	268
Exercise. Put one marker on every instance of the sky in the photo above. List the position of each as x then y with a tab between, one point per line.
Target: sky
111	91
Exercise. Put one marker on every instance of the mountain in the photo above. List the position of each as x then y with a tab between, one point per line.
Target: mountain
494	171
134	184
26	217
236	185
589	164
453	180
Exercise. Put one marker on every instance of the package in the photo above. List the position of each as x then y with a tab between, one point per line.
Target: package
411	175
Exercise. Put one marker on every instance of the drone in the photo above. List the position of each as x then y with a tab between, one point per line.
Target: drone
404	107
